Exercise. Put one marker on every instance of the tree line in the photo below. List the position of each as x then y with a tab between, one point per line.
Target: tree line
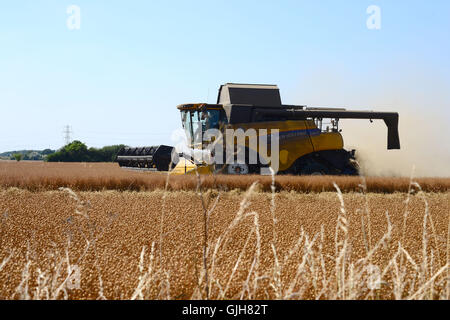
77	151
26	154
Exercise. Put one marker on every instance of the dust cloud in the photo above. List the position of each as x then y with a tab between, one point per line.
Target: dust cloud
419	95
424	146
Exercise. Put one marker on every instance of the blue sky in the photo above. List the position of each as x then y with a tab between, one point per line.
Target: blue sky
119	77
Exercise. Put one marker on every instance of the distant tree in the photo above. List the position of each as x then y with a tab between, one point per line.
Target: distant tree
95	155
17	156
75	151
47	152
34	155
54	157
109	153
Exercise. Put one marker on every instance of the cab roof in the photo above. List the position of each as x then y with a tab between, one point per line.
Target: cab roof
198	106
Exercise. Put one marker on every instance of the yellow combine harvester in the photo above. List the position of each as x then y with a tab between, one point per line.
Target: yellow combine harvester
308	140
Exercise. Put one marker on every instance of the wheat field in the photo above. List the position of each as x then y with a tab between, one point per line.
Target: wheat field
60	241
43	176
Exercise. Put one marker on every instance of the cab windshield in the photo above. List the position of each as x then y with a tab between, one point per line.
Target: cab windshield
196	122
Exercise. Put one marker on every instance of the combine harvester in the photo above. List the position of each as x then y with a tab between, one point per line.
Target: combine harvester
310	142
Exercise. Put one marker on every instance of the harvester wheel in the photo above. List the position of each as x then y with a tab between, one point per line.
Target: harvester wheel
237	169
314	169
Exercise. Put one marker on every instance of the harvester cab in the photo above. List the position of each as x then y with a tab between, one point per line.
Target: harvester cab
196	119
309	140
